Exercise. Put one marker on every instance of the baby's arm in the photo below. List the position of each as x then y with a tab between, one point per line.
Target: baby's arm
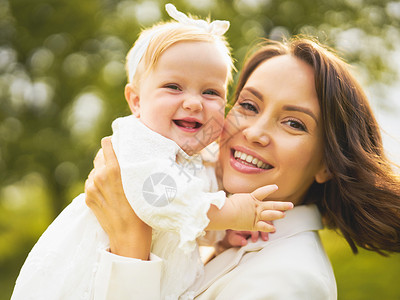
248	211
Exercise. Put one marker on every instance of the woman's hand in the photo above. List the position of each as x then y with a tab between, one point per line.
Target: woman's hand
234	238
129	235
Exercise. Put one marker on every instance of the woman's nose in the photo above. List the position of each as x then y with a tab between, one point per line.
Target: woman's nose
192	103
257	133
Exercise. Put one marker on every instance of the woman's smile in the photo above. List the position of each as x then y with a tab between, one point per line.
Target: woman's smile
246	161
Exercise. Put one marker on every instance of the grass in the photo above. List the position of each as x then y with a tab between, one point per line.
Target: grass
365	276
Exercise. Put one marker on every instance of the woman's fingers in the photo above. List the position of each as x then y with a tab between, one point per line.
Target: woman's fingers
94	198
99	160
91	191
109	154
254	236
264	191
100	176
264	236
107	176
237	238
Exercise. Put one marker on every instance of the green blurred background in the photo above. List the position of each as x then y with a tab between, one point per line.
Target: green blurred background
61	84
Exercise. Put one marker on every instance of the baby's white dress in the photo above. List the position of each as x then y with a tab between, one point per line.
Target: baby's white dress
168	189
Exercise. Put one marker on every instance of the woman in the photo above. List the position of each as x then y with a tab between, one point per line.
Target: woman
300	111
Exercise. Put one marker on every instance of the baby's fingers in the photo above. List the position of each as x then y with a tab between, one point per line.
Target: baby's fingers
276	205
264	227
271	215
263	192
272	210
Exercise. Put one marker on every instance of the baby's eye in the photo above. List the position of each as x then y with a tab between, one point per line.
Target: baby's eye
173	87
249	106
296	125
211	92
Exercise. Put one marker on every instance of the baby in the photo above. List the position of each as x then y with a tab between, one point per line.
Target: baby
178	74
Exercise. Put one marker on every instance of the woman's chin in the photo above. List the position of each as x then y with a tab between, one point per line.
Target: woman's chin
237	186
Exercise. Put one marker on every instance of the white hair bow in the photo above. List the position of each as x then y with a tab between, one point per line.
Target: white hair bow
216	27
136	53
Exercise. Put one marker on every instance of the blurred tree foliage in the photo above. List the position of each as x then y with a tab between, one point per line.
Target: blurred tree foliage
62	78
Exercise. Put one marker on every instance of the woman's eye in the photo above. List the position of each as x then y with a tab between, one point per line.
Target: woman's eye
296	125
249	106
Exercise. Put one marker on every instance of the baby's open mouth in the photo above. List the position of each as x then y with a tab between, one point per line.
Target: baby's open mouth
188	124
249	160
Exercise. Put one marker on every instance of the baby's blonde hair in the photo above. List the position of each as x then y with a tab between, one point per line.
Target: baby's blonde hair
164	35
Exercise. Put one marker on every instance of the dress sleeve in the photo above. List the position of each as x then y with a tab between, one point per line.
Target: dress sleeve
124	278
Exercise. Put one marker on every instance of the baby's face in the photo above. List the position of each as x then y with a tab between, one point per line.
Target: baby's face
184	96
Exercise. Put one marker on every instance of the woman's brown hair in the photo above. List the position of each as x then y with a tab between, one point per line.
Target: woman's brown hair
362	198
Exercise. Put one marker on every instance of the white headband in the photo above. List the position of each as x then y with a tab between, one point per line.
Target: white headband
136	53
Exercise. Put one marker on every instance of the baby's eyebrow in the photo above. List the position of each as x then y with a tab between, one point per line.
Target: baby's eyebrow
301	109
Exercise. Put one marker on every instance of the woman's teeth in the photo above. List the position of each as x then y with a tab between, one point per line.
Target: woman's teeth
250	160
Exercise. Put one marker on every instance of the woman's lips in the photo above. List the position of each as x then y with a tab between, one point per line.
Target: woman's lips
247	163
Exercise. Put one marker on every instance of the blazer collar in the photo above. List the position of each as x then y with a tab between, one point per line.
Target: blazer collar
299	219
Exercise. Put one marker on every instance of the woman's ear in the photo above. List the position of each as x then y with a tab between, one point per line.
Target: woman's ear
132	97
323	174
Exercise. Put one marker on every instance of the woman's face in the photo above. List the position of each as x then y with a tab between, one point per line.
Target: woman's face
273	134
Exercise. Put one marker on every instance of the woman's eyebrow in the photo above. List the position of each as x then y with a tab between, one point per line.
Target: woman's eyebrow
301	109
254	92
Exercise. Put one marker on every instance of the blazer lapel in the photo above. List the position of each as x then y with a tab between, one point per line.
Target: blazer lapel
301	218
223	263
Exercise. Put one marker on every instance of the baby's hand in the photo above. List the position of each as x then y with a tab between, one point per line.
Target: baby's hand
253	214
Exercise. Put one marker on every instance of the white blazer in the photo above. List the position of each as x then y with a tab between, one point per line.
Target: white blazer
291	265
